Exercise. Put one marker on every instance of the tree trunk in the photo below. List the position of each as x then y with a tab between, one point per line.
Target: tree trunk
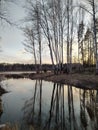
95	38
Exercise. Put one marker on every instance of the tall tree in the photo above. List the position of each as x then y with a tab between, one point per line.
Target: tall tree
92	2
34	20
53	25
80	40
30	43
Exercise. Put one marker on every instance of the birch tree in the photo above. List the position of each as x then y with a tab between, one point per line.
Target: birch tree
92	2
30	43
53	25
89	48
71	21
80	40
38	20
46	29
34	19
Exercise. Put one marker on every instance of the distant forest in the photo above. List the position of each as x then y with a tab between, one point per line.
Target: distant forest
23	67
45	67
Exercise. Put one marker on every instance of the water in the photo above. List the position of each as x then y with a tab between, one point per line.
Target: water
48	106
17	72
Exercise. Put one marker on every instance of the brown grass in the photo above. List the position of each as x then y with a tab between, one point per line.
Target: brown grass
88	81
83	80
15	127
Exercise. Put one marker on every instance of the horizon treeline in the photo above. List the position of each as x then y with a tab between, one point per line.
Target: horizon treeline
76	67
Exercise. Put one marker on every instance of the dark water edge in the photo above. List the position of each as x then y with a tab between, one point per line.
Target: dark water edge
2	91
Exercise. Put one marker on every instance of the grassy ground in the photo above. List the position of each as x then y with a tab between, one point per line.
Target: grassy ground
79	80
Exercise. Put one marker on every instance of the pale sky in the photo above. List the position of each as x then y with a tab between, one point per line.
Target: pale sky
11	38
11	45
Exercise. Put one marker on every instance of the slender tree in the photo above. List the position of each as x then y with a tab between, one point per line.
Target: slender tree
34	20
92	2
30	44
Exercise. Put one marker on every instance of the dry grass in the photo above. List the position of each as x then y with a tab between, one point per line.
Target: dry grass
14	127
85	80
9	127
79	80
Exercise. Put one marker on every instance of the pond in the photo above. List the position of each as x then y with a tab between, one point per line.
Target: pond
48	106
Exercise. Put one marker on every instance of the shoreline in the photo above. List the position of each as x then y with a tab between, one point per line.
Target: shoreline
85	81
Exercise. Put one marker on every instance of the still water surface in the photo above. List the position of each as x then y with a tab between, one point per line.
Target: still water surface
48	106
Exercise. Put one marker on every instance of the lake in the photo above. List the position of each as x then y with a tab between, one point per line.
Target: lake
48	106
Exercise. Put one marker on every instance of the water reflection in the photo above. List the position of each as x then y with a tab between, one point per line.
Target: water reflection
69	109
1	109
33	107
49	106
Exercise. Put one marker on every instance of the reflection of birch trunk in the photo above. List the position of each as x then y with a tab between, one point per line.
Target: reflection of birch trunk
34	97
62	108
83	117
1	109
91	105
39	86
72	119
57	112
31	115
40	100
57	105
51	108
69	105
96	110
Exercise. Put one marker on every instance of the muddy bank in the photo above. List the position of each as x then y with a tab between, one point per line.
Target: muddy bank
2	91
86	81
78	80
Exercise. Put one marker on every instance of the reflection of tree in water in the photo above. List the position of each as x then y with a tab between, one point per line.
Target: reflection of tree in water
88	113
83	116
1	109
56	115
57	118
32	108
72	119
2	91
